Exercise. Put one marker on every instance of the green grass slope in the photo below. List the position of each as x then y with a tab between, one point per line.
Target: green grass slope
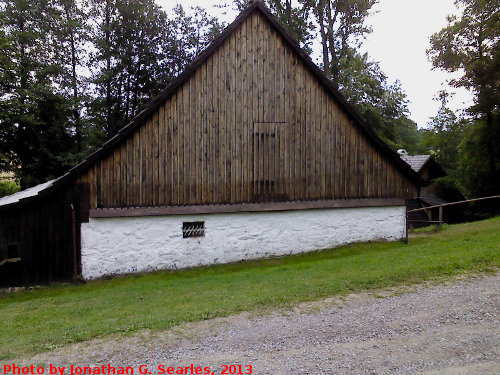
52	317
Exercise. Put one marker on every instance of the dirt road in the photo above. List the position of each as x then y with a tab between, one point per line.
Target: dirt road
450	328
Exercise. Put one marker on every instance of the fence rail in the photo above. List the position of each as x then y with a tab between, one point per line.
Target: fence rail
440	206
453	203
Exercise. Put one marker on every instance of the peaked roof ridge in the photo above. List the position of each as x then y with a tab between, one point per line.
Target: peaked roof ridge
255	5
416	162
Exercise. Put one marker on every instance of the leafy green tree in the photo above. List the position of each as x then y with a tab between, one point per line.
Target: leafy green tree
445	133
7	157
102	109
342	27
34	139
381	104
443	139
190	33
295	16
469	45
52	113
473	160
72	36
139	50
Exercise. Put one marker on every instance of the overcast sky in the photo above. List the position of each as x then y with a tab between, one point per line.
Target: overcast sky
401	31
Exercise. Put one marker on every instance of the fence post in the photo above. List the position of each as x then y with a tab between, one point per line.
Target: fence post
407	224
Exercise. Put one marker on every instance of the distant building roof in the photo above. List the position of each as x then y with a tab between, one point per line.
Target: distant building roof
416	162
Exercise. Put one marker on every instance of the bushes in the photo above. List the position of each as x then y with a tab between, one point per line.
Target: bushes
8	187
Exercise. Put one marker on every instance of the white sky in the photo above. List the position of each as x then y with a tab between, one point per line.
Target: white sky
401	31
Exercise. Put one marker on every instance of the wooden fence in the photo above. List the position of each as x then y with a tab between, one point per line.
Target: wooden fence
440	207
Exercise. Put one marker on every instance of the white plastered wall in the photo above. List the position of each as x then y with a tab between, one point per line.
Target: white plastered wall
137	244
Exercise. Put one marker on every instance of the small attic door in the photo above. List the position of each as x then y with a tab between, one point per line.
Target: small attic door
268	155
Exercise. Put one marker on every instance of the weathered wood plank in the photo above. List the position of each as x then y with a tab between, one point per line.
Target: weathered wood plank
244	207
251	121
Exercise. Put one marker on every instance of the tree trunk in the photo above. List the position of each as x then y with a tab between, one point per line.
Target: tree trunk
331	40
288	10
23	85
74	82
109	124
320	11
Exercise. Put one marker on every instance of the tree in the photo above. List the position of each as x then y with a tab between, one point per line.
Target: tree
52	113
102	65
469	45
381	104
474	157
443	139
295	16
7	156
71	37
190	34
342	27
139	50
35	139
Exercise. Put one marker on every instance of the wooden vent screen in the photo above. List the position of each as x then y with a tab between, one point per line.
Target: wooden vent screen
268	144
193	229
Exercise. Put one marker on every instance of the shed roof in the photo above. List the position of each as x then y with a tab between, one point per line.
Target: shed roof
30	192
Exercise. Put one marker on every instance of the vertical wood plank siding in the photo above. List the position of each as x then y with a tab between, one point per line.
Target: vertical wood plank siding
251	124
43	232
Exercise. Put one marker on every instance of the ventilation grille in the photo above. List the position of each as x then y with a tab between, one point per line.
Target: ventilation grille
193	229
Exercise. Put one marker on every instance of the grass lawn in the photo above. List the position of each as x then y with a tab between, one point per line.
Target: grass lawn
47	318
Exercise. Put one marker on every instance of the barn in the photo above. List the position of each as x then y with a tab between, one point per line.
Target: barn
251	152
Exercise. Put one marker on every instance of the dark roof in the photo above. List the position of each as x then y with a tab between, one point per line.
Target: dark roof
432	200
255	6
416	162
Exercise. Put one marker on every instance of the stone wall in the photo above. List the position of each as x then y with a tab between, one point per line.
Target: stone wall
138	244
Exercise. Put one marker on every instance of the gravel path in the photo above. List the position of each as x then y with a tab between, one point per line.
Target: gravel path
450	328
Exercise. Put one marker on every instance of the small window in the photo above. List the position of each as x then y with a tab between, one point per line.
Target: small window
13	253
193	229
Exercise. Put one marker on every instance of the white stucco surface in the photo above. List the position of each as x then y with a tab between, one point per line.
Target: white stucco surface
137	244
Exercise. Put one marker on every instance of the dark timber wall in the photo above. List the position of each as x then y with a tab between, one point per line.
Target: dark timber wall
42	229
251	124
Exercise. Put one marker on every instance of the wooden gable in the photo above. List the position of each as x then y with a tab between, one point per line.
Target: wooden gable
250	123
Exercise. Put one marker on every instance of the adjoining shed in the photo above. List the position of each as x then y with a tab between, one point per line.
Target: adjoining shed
40	234
251	152
429	195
